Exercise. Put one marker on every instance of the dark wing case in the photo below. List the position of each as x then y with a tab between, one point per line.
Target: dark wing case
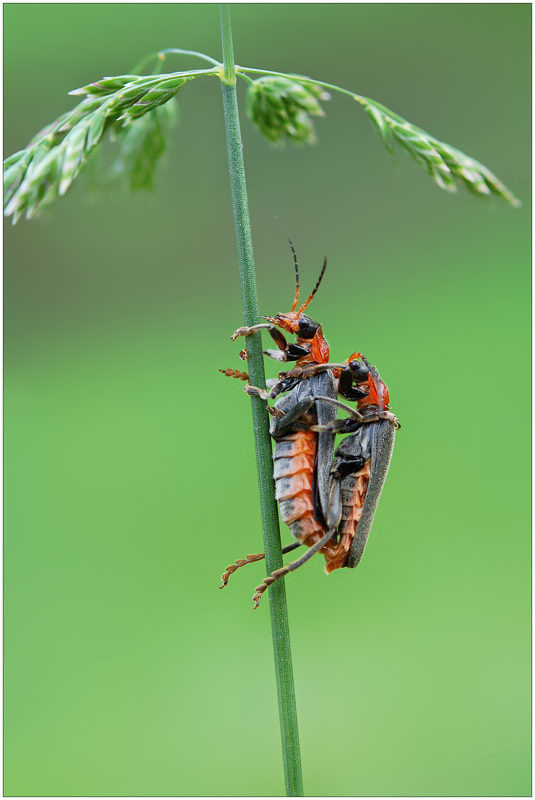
375	441
325	385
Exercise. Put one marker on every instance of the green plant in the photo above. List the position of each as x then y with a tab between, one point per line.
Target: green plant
136	111
133	109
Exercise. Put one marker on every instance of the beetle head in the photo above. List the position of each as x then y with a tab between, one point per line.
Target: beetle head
294	322
359	371
364	373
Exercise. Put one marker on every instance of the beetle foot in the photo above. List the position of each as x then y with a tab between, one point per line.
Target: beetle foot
254	391
243	331
246	331
235	373
277	413
259	591
240	562
392	418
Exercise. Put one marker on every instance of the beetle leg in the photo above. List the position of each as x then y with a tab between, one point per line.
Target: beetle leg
345	465
254	391
246	331
286	355
279	573
346	388
353	423
277	355
277	335
264	394
284	425
276	413
338	426
240	562
391	417
313	369
280	384
235	373
250	559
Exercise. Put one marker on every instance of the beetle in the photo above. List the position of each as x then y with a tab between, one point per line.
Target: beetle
358	471
360	465
302	457
310	345
328	503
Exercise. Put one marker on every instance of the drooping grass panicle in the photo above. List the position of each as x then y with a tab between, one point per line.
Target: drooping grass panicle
53	159
445	164
141	145
283	106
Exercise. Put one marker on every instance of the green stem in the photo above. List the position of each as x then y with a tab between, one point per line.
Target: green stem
301	80
179	51
161	54
270	521
245	78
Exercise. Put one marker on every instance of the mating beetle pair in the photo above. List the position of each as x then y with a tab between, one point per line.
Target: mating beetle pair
328	499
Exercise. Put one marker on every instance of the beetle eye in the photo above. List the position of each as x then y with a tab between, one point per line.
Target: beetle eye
307	327
359	371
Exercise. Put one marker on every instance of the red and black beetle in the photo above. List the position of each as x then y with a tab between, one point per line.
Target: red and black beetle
360	465
327	499
302	457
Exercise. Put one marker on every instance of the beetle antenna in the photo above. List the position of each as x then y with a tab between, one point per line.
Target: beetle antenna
296	298
315	289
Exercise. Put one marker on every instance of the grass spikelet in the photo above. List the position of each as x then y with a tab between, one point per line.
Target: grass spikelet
54	158
445	164
282	107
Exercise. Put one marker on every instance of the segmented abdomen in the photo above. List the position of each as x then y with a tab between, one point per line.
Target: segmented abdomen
293	473
354	488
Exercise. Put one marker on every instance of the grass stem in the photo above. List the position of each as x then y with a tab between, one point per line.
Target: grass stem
255	367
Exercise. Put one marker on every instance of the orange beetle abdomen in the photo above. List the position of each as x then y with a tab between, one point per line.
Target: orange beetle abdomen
352	503
293	473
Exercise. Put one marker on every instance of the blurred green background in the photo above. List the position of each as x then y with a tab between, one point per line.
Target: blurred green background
130	478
